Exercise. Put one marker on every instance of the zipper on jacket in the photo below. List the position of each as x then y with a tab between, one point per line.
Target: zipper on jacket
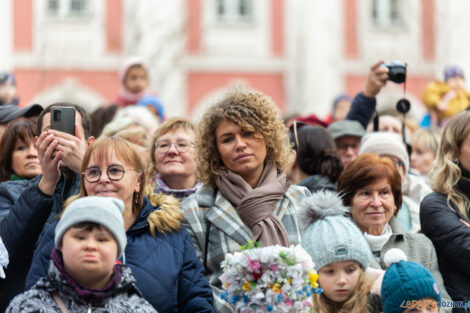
89	308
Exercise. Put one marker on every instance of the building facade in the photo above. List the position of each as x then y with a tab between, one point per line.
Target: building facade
302	53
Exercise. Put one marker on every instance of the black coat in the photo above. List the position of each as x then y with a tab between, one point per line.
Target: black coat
451	239
24	213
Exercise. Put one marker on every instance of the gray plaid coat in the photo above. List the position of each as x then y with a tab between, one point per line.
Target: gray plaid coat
227	231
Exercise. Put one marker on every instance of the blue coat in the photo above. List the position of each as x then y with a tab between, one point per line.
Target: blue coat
166	268
24	213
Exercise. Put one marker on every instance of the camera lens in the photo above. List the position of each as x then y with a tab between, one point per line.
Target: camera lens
403	106
56	116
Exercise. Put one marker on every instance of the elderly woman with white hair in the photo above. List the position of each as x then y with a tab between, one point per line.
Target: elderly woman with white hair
414	188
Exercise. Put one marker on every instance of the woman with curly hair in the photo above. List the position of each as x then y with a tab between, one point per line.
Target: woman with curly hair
241	151
445	213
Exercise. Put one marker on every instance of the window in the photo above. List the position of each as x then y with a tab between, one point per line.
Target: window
235	11
66	8
387	13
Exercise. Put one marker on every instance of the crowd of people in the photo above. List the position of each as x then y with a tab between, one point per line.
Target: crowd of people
135	212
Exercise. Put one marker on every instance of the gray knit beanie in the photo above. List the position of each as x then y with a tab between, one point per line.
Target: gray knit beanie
106	211
388	143
329	236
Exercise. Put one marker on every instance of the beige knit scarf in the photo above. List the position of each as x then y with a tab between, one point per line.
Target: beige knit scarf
255	205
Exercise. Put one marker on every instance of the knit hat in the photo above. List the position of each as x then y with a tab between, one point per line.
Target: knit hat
346	128
329	236
106	211
453	71
128	63
382	143
405	281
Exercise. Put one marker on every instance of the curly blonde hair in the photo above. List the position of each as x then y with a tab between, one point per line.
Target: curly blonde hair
251	111
357	303
446	172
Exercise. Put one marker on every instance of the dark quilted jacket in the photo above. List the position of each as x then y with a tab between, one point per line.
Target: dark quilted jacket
122	299
166	268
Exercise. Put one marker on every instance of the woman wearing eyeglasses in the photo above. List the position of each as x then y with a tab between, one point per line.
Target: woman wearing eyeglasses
159	250
242	149
172	166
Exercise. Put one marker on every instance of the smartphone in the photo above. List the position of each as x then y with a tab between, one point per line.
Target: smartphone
63	119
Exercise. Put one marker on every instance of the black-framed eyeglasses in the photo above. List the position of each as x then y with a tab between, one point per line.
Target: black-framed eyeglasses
115	172
181	146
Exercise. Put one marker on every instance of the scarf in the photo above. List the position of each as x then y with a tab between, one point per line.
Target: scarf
15	177
376	243
180	194
255	205
95	296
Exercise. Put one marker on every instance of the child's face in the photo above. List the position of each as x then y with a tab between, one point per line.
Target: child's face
422	159
89	255
136	79
339	280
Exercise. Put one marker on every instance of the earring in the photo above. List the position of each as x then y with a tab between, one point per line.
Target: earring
136	198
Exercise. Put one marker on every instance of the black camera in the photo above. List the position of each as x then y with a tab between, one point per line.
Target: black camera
397	71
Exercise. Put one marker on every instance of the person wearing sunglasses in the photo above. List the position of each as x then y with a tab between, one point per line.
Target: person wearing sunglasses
159	250
172	166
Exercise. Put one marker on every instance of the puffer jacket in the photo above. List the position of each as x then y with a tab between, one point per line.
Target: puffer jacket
166	268
451	238
122	299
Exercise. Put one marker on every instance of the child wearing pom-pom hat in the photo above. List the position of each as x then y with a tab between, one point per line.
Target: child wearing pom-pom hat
341	255
408	286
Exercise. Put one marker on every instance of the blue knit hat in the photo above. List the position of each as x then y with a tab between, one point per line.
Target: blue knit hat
405	281
328	235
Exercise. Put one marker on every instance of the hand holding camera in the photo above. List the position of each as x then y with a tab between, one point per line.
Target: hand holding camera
376	79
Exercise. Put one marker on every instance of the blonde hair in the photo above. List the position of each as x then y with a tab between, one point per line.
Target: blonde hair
446	173
357	303
169	126
428	138
252	111
167	219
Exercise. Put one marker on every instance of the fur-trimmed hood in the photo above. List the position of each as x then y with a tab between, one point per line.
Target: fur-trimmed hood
318	206
168	217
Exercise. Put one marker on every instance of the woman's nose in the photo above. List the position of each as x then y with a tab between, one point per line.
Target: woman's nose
32	151
375	201
172	149
240	142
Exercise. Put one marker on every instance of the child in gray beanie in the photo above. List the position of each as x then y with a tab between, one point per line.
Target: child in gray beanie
84	274
341	256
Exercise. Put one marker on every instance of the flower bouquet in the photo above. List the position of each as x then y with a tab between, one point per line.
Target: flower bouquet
269	279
